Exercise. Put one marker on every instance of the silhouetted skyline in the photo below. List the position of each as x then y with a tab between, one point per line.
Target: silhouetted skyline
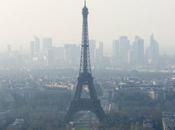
20	20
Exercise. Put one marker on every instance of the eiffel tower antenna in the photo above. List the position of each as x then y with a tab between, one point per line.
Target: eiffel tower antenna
85	3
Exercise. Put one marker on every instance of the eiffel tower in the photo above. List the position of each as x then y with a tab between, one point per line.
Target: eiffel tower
85	79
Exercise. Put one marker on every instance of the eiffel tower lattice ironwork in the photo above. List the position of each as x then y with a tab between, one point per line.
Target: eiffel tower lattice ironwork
85	79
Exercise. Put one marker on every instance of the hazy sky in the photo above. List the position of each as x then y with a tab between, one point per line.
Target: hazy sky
109	19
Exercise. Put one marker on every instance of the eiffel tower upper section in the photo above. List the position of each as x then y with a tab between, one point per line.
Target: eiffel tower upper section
85	65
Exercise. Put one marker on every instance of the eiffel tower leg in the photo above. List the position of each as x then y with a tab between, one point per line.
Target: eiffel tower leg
78	91
98	110
70	113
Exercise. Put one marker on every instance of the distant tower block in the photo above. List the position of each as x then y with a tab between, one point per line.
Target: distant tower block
85	79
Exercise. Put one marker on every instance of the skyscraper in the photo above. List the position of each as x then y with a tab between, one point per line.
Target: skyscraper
124	45
56	57
46	44
115	52
99	57
35	47
92	45
72	53
99	52
137	51
153	51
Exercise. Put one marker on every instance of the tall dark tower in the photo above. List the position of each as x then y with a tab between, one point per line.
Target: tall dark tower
85	79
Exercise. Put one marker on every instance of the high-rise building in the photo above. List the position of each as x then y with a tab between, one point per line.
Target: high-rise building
137	51
56	57
92	45
99	58
115	52
153	51
35	47
124	45
99	51
72	54
46	44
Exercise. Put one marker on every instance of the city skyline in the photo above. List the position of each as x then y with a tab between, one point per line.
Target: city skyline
86	82
52	19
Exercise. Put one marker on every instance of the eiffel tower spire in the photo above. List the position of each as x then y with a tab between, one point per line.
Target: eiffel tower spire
84	3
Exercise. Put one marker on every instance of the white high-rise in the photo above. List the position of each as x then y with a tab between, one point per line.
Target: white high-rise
153	51
137	51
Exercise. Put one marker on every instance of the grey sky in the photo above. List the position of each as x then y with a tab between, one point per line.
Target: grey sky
109	19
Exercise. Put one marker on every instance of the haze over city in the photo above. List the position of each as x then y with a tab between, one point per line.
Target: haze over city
61	20
87	65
